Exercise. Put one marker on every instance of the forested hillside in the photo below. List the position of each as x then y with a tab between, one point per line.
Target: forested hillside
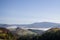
51	34
5	34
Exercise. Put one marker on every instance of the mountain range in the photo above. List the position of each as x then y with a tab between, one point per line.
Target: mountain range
30	29
34	25
43	25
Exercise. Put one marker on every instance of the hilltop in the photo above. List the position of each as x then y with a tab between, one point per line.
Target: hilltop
34	25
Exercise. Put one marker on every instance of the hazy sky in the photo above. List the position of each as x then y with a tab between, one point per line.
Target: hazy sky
29	11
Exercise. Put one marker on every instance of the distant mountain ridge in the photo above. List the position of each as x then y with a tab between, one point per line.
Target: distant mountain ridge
44	25
34	25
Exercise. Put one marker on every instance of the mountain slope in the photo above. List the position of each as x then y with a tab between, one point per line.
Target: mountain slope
43	25
34	25
22	32
37	31
52	34
5	34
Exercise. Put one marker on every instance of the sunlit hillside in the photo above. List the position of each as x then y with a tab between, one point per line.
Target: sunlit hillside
5	34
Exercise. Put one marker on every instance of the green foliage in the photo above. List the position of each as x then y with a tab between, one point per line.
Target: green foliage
6	34
36	37
52	34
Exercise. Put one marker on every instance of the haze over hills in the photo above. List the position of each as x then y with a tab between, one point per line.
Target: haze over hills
33	25
43	25
30	29
37	31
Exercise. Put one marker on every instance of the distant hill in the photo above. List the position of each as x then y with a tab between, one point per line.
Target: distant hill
3	25
22	32
43	25
37	31
34	25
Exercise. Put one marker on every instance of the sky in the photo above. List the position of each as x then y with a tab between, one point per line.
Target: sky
29	11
